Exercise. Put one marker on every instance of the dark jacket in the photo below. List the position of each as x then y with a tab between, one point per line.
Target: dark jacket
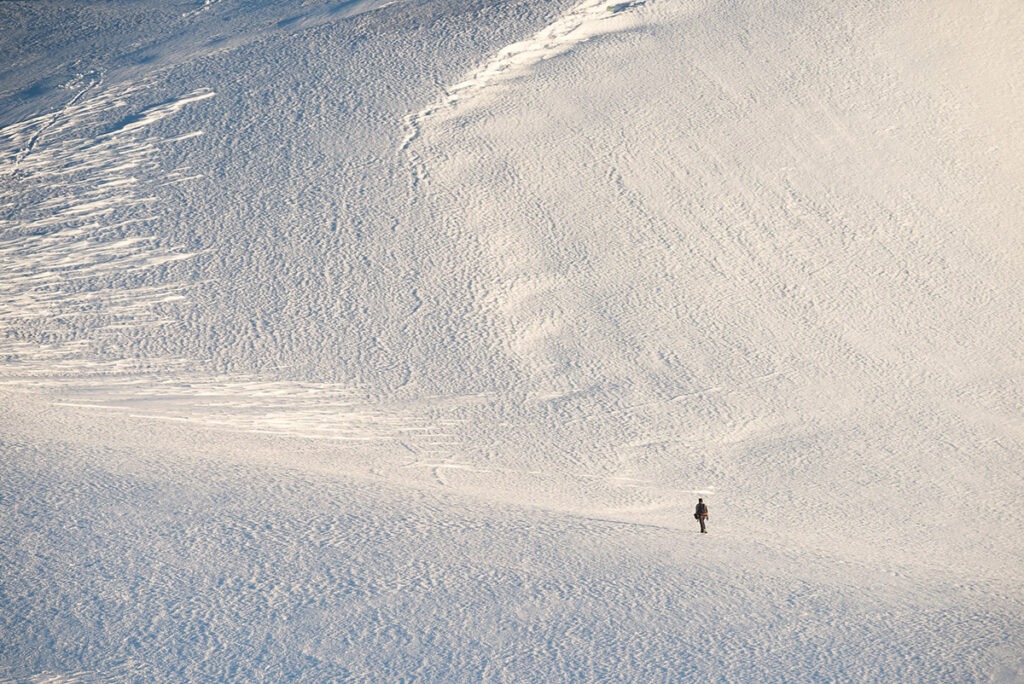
702	511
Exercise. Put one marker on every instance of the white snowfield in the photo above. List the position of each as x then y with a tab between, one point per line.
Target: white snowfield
395	341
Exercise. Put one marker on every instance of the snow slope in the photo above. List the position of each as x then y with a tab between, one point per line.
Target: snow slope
376	341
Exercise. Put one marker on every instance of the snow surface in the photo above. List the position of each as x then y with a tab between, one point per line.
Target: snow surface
396	340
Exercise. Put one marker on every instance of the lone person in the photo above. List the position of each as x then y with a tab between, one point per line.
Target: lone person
701	514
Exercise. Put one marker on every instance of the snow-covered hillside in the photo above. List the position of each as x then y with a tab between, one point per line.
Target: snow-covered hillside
387	341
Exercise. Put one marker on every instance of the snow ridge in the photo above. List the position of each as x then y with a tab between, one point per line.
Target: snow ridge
587	20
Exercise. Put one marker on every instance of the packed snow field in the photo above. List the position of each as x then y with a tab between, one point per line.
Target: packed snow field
382	341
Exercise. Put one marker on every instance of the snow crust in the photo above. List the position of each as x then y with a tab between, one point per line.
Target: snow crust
396	341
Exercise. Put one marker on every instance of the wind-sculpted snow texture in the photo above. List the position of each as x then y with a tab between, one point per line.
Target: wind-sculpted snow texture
370	341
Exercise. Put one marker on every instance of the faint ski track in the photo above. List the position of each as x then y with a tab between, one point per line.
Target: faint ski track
273	573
